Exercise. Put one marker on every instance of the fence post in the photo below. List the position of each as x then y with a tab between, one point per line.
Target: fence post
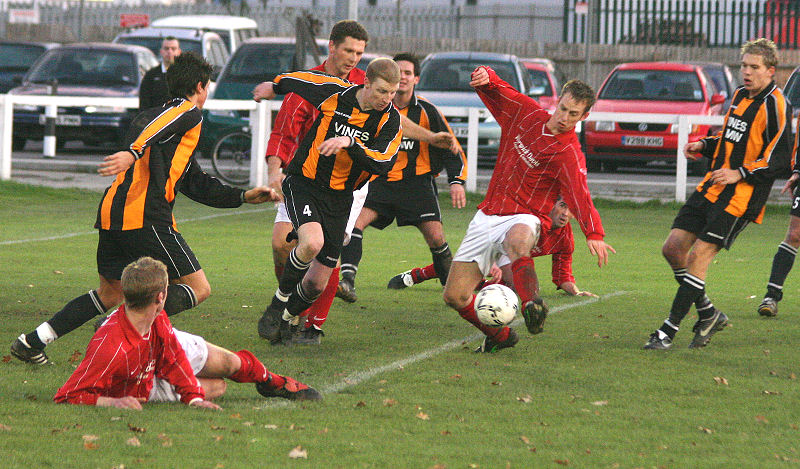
6	121
472	149
260	127
680	170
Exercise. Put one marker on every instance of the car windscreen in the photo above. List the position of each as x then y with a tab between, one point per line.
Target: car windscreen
792	90
454	74
19	56
154	44
540	83
86	67
720	82
656	85
262	62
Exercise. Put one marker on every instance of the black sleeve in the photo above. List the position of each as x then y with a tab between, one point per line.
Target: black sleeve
146	90
154	125
379	155
208	190
313	86
454	164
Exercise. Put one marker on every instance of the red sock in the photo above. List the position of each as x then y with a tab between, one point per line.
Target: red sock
525	281
468	312
318	311
420	274
251	371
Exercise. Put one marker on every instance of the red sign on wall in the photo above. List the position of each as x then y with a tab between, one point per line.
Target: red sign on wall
134	20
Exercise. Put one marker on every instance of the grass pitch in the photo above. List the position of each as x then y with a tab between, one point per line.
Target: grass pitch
402	386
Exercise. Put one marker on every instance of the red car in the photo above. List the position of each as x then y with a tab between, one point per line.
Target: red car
545	81
654	88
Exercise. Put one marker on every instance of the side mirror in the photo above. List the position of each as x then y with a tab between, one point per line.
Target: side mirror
717	99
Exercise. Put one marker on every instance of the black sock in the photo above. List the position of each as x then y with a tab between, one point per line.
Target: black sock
351	255
690	290
292	274
669	329
442	259
180	297
300	300
705	308
781	266
72	316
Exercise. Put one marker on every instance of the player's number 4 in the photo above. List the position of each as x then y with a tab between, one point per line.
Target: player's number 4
307	211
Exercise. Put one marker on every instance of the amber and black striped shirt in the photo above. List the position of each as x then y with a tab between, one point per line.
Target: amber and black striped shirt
375	135
417	158
163	140
756	140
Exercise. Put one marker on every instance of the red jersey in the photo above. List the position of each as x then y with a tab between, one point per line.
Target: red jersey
533	165
560	244
120	362
295	119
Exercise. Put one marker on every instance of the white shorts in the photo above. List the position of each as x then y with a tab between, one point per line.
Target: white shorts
483	242
359	197
196	351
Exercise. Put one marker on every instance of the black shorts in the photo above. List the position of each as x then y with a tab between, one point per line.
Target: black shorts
709	222
795	210
412	201
306	203
116	249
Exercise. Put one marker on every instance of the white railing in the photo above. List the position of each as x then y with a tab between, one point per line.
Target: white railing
260	125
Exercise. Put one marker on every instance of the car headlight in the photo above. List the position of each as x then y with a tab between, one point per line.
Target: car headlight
673	129
604	126
105	109
26	107
223	113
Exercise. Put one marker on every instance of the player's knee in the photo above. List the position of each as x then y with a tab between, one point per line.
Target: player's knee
308	249
214	388
455	299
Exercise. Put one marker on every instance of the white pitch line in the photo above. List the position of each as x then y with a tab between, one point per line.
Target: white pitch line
84	233
361	376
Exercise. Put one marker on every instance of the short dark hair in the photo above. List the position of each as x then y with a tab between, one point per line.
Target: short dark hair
408	57
188	70
142	280
170	38
580	92
348	28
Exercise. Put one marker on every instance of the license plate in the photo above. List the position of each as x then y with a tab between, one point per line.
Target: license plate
63	119
461	131
642	141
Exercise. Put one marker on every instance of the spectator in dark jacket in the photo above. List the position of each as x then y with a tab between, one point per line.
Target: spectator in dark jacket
154	91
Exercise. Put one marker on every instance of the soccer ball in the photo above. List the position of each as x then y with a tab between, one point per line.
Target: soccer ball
496	305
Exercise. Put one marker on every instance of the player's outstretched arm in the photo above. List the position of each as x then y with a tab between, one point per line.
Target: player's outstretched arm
479	77
599	248
261	194
790	183
116	163
263	90
125	402
571	289
693	150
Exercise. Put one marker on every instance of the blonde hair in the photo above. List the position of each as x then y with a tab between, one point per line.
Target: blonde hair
142	281
385	68
763	47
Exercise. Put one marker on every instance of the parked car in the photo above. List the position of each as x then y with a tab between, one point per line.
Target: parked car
792	90
233	30
654	88
444	80
207	44
724	80
16	57
545	81
88	69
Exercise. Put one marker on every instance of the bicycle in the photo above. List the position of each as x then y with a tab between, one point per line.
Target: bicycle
230	157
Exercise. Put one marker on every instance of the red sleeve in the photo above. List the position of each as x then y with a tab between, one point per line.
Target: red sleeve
502	100
94	377
173	366
562	258
575	191
293	121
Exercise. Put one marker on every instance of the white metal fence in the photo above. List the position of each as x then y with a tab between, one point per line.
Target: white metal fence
260	125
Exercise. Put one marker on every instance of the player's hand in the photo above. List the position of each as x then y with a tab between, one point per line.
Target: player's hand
445	140
117	163
599	248
457	195
692	150
586	293
790	183
725	176
495	274
479	77
205	405
263	90
333	145
261	194
125	402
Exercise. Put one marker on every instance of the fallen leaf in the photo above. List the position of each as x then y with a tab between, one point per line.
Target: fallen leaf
792	376
136	429
472	465
165	440
217	427
766	352
271	426
721	380
772	393
360	404
298	452
248	424
237	415
218	438
438	466
115	419
794	426
383	381
526	399
30	397
6	358
423	416
496	383
89	438
58	272
525	439
705	430
324	430
452	377
600	403
762	419
389	402
90	445
133	441
445	433
773	373
563	462
4	427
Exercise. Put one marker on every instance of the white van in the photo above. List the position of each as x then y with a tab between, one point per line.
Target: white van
232	29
